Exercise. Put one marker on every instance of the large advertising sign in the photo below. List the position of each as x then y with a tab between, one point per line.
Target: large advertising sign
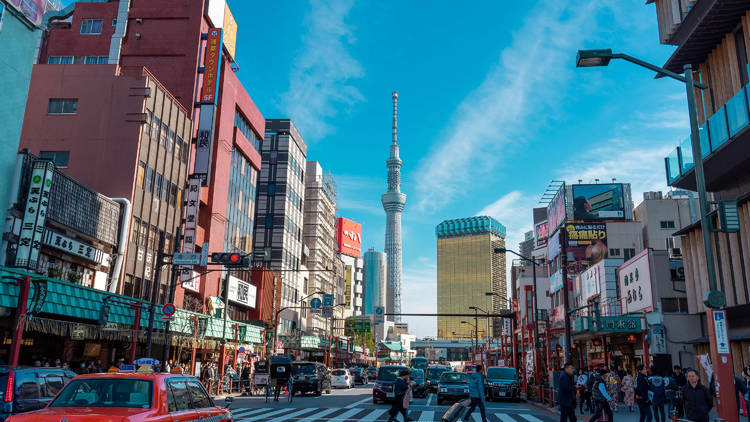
541	234
588	244
556	210
634	278
32	9
230	31
211	66
34	215
349	237
598	202
241	292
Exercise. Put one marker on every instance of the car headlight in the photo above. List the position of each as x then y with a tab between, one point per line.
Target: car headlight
466	390
428	381
443	390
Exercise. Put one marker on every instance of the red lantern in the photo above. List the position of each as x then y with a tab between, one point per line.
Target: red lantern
597	342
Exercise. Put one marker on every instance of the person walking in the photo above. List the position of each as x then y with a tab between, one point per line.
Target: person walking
628	389
613	386
601	396
476	393
641	394
697	399
581	385
679	377
670	393
656	383
566	395
401	392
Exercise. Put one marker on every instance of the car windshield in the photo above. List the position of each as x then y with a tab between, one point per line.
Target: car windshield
355	370
339	372
453	378
501	373
304	369
417	374
106	392
434	372
390	373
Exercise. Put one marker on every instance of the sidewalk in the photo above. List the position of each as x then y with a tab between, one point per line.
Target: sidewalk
622	415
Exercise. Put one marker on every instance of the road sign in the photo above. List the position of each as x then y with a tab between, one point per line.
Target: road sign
328	300
241	350
720	327
204	254
379	315
316	303
186	258
168	309
326	312
362	324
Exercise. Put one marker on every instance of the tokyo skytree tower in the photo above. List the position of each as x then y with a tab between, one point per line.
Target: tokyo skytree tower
393	203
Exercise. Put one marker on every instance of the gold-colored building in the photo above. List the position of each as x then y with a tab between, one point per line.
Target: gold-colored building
467	268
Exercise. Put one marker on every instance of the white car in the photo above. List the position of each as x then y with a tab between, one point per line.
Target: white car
341	378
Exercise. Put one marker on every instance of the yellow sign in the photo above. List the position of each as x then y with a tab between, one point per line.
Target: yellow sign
230	31
348	288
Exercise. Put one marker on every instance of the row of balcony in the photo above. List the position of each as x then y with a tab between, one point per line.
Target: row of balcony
727	122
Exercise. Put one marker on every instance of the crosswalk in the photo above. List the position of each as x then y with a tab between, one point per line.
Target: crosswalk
341	414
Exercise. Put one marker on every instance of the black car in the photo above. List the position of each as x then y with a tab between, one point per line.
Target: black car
417	376
31	388
383	390
502	383
360	376
372	372
432	377
454	386
311	377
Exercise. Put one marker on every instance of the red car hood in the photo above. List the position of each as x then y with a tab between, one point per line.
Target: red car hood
79	414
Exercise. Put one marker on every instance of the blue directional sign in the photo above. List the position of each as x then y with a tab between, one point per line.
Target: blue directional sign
379	315
316	303
328	300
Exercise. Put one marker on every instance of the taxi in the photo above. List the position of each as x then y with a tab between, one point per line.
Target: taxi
130	397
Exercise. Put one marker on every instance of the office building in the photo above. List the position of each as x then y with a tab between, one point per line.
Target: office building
375	268
280	213
661	216
319	238
467	269
526	247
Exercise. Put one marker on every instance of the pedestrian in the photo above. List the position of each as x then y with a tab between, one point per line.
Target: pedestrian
401	390
697	399
656	384
476	393
566	396
679	376
613	386
82	369
581	384
670	393
641	394
628	389
168	366
602	398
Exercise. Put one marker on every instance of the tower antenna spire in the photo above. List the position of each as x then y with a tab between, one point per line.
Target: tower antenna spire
395	117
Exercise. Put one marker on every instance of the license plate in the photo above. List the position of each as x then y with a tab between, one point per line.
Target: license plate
502	393
390	395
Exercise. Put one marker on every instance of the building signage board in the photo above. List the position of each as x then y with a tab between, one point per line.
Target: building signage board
191	281
75	247
35	214
241	292
349	237
634	279
33	10
212	64
327	300
555	282
541	233
598	202
720	328
556	210
230	31
192	209
348	287
591	280
618	324
553	245
204	143
587	242
658	340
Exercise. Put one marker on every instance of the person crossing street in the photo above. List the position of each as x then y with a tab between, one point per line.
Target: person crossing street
601	397
476	393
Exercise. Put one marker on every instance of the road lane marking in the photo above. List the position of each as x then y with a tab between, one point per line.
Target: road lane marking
352	405
269	414
248	412
530	418
291	415
429	399
426	415
504	417
346	415
320	414
373	415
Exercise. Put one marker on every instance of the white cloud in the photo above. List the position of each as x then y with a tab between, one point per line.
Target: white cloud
667	119
320	83
530	74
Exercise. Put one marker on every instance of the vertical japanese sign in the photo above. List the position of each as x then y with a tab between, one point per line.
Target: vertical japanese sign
348	287
205	138
211	66
34	215
191	222
720	330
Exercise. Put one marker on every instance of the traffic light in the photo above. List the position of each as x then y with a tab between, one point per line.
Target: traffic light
230	259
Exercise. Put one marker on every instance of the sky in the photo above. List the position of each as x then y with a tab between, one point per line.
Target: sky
491	107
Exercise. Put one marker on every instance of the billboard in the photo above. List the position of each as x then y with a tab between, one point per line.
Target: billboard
555	282
599	202
634	279
541	233
591	280
556	210
587	242
230	31
211	66
33	10
348	237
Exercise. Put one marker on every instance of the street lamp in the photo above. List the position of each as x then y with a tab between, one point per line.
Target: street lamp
714	298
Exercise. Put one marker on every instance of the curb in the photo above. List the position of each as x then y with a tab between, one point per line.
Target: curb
224	396
541	406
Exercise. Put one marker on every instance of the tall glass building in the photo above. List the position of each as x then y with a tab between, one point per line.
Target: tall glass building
467	268
375	280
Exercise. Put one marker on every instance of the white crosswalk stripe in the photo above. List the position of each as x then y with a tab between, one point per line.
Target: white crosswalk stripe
427	415
530	418
266	415
504	417
291	415
340	414
319	415
374	415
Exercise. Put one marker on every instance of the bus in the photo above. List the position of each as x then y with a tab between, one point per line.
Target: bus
419	363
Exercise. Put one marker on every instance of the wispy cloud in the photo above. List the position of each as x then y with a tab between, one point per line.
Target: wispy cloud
321	81
530	75
667	119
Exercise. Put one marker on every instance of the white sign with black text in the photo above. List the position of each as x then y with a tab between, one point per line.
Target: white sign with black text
75	247
192	209
34	214
634	278
241	292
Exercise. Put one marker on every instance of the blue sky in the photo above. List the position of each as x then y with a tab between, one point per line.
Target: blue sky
491	106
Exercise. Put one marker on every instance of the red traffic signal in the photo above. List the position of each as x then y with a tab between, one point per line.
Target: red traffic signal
229	259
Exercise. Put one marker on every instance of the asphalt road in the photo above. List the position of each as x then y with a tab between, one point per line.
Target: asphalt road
356	405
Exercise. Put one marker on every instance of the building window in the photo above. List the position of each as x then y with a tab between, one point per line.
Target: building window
149	179
60	158
157	184
613	252
141	174
114	22
136	225
63	106
629	253
155	128
674	305
269	222
244	126
96	60
271	189
91	26
144	234
60	60
164	190
173	194
667	224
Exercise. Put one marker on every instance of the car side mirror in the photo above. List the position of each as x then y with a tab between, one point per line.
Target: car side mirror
227	402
